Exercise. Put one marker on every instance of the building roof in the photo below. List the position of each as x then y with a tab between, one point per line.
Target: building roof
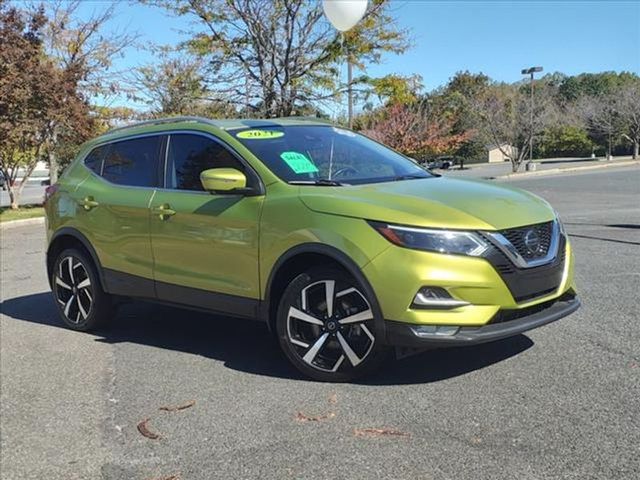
492	146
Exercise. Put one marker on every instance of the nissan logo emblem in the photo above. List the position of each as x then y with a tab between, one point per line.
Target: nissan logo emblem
532	241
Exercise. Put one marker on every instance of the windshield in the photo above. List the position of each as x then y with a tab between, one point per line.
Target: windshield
309	154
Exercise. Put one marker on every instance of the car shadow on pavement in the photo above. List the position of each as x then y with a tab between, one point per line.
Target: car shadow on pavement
246	345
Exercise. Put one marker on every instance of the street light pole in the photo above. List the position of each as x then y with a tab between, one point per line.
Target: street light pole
530	71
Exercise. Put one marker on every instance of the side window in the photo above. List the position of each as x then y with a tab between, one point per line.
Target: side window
191	154
133	162
93	161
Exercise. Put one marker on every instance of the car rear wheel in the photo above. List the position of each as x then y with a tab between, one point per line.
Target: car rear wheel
327	327
81	302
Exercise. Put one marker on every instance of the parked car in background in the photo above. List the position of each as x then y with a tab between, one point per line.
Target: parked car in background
344	247
442	163
3	181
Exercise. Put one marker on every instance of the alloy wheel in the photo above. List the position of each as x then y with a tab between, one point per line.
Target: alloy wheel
73	289
331	326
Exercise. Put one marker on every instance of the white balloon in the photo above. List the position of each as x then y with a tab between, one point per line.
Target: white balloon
344	14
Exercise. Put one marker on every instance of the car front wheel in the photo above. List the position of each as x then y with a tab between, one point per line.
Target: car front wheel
327	327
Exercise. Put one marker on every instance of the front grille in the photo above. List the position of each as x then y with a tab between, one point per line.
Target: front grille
531	242
529	283
510	315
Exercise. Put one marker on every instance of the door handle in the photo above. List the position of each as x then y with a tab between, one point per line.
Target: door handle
163	211
88	203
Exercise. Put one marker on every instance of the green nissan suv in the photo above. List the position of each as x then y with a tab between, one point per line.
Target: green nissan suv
345	248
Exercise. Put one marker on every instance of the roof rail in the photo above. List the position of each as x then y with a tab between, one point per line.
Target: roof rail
308	117
160	121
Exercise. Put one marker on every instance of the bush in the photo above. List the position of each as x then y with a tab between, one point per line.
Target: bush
564	141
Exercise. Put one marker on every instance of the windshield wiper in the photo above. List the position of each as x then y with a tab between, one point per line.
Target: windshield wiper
323	182
408	177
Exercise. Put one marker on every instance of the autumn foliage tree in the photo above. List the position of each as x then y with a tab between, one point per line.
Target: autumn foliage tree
33	94
415	130
84	54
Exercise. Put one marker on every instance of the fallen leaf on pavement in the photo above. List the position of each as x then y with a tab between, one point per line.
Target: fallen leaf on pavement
333	398
178	407
170	477
144	430
378	432
301	417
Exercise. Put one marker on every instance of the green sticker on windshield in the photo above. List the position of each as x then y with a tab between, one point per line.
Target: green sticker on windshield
259	134
298	162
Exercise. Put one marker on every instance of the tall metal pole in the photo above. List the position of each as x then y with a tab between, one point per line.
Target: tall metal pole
530	72
531	124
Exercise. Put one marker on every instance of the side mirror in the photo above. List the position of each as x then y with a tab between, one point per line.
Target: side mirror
223	180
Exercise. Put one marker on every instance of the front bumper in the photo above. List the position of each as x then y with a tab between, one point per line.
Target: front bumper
403	335
487	285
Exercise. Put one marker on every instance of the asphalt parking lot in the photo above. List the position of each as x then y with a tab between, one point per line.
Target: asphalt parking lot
559	402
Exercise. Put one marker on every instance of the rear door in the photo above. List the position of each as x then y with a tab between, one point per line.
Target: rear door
114	211
206	249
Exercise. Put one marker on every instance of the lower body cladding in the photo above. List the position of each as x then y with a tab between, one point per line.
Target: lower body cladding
440	300
403	335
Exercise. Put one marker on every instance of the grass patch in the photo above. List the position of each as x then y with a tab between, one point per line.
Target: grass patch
25	211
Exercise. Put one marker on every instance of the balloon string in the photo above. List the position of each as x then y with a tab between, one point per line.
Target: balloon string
341	57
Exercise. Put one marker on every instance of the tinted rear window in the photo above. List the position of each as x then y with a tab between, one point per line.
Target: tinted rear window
133	162
93	161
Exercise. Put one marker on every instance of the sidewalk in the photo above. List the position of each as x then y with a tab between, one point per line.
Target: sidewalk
543	167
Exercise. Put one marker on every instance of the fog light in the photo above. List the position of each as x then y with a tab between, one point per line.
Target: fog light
435	297
435	330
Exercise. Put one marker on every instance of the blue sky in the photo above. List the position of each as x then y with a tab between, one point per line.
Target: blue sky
498	38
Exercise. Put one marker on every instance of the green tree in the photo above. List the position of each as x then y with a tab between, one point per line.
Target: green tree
593	84
275	56
564	141
394	89
176	86
456	101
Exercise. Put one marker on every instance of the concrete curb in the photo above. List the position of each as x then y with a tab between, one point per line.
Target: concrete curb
21	223
555	171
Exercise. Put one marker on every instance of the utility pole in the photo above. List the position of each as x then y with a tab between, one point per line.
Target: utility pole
530	71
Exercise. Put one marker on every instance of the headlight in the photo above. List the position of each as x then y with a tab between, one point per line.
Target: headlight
440	241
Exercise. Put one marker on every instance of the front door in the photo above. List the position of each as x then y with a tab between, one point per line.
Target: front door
205	246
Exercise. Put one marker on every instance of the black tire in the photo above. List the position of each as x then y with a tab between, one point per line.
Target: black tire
77	293
314	338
